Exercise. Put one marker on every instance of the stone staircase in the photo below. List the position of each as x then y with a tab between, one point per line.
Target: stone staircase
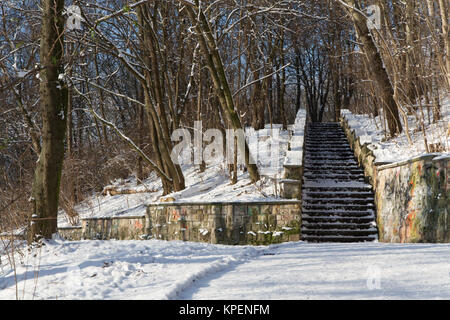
337	204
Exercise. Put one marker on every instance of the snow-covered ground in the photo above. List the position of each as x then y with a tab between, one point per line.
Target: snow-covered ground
154	269
370	130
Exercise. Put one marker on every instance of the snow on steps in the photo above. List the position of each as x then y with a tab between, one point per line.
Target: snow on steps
338	206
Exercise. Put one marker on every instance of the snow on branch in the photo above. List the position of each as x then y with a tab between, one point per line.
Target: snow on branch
124	10
257	80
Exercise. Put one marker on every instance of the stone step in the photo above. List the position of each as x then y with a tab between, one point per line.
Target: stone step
342	189
329	155
326	140
338	171
339	232
342	166
331	128
330	175
346	239
329	142
337	226
323	150
335	201
334	170
315	138
346	151
334	214
319	134
317	179
323	126
326	146
324	133
337	219
324	163
336	206
331	195
329	160
332	167
334	176
320	124
310	182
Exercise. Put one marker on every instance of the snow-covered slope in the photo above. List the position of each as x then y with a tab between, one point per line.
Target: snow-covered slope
370	130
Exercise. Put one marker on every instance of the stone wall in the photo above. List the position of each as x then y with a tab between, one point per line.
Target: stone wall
71	233
221	223
413	200
291	184
411	197
365	156
226	223
120	228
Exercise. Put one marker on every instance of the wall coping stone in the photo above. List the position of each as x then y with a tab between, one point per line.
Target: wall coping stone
424	157
222	203
289	181
69	227
113	217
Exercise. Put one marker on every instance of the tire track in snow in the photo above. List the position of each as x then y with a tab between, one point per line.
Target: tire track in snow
217	266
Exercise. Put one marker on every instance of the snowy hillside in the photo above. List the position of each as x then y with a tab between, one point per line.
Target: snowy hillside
370	130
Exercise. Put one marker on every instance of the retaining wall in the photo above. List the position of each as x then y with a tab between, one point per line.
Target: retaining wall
412	197
221	223
227	223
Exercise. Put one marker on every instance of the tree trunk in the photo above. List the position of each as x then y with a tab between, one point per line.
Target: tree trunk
155	104
215	66
377	69
53	95
141	115
443	8
298	85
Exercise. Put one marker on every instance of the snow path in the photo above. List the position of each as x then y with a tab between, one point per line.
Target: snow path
154	269
334	271
221	266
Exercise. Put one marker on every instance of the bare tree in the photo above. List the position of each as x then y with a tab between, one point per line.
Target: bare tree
53	99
